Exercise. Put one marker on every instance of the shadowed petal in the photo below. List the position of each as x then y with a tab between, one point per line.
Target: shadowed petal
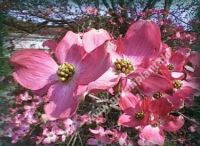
65	44
128	100
174	124
153	83
75	54
104	82
126	121
62	103
94	65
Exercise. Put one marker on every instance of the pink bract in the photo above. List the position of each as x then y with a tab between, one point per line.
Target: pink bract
37	70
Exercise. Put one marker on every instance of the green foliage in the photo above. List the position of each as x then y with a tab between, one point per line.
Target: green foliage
4	65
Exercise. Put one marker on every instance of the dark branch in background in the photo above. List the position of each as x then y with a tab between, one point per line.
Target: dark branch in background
5	5
30	9
176	17
150	4
167	6
121	3
26	27
97	6
106	4
113	4
62	22
79	3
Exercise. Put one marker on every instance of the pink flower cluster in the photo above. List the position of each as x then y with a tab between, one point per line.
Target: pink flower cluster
22	116
27	117
92	62
103	137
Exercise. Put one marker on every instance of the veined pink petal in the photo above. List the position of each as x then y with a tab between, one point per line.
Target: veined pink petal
65	44
192	82
94	38
194	58
94	65
178	60
33	69
157	104
62	102
184	51
153	83
143	39
173	125
128	100
151	136
176	101
184	92
162	84
120	46
126	121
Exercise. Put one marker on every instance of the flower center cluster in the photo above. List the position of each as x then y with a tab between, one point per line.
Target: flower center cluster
139	115
157	95
123	66
65	71
170	66
177	84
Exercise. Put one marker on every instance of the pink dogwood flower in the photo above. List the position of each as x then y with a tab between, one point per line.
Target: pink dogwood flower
180	71
136	111
140	45
37	70
161	120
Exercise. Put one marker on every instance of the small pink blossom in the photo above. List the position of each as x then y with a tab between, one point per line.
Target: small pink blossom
91	10
101	137
50	136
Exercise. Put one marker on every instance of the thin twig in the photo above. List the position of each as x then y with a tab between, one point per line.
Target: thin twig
81	142
72	137
103	101
93	97
6	57
180	19
188	118
115	107
74	141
